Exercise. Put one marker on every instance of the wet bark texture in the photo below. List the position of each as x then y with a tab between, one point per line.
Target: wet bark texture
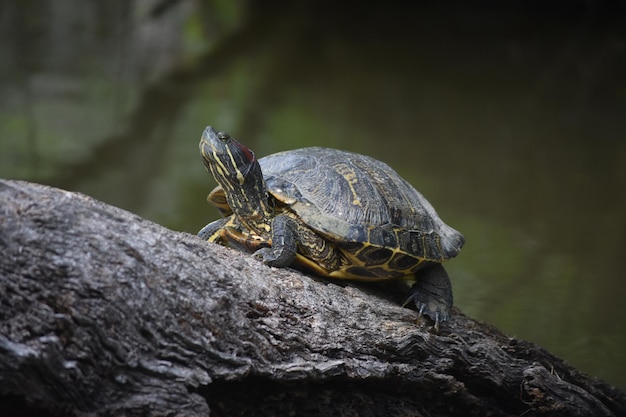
105	313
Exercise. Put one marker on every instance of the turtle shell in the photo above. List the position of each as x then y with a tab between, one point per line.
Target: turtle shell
362	205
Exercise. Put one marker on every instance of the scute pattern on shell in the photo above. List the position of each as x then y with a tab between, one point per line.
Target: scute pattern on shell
349	197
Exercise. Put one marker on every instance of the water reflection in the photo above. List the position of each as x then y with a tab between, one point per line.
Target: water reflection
511	125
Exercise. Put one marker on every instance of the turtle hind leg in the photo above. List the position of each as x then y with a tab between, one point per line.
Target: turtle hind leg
432	293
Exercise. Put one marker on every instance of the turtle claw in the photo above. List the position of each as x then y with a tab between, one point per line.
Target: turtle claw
422	310
437	322
435	318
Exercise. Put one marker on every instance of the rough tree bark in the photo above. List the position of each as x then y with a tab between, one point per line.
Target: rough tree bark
105	313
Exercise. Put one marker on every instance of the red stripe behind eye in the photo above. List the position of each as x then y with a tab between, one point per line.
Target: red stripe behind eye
246	152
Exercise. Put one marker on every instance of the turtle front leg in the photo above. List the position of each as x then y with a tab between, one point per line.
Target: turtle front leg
212	231
284	243
432	293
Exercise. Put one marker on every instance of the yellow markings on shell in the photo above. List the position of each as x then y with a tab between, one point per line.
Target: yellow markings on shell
386	265
351	179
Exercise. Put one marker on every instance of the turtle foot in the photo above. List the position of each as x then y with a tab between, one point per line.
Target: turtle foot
432	294
426	305
280	259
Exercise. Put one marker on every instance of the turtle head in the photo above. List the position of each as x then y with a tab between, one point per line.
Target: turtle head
227	159
237	171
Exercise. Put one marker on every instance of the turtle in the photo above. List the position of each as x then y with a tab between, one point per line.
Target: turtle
332	213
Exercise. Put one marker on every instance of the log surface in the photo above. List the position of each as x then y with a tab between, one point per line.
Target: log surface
105	313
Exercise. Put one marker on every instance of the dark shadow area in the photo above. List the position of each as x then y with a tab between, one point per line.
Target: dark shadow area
257	396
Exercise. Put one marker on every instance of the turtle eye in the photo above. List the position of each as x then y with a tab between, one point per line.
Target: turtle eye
223	136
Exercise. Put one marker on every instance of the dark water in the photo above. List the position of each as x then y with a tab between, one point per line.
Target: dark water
510	121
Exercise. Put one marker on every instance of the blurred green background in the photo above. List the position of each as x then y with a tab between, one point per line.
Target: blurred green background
510	117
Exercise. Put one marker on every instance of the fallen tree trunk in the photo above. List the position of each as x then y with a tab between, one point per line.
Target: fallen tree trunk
105	313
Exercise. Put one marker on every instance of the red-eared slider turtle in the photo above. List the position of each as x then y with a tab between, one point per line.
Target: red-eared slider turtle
332	213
